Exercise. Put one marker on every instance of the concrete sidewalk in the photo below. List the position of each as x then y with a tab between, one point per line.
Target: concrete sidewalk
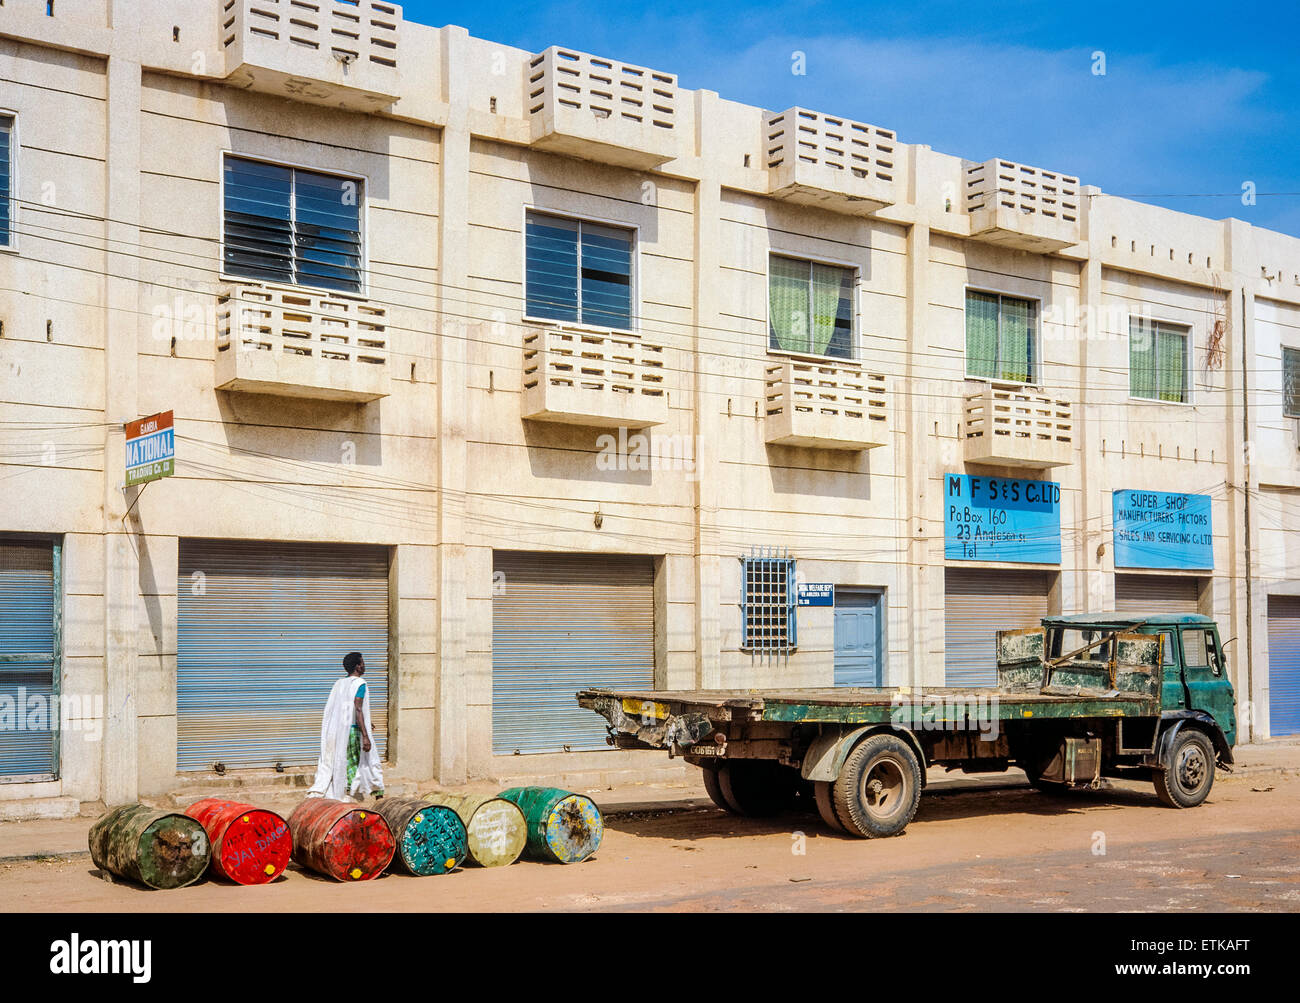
41	838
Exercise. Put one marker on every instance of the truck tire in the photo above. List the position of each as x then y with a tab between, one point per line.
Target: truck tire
822	791
1188	772
754	787
713	785
879	787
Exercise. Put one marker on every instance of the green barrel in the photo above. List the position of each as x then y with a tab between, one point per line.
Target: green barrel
562	826
161	849
496	829
431	838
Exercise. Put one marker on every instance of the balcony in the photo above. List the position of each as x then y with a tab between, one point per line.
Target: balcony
1022	207
831	163
1014	427
593	378
601	110
330	52
301	343
825	405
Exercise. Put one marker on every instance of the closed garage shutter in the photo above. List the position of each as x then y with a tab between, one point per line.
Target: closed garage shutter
261	634
1284	665
27	638
977	604
562	623
1157	594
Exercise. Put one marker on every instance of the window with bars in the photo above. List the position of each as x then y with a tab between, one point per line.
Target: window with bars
578	271
1158	360
769	604
6	178
286	224
1291	382
1001	337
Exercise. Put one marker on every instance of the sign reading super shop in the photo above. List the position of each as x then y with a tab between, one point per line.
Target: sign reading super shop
1162	529
1001	519
150	448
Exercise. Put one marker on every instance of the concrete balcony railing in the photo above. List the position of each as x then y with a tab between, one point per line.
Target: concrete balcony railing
341	53
1022	207
600	109
1015	427
594	378
834	163
295	342
825	405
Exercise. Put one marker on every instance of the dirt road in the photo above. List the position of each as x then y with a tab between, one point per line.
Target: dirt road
1011	849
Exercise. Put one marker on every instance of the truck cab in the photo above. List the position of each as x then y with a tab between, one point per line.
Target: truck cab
1194	667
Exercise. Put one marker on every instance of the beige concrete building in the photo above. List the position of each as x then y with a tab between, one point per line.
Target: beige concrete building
522	372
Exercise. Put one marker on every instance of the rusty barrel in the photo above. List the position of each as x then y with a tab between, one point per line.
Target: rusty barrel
562	826
161	849
341	840
431	838
495	829
250	845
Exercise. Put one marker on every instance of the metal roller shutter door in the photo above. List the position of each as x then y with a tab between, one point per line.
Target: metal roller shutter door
28	644
1157	594
977	604
261	634
1283	665
561	623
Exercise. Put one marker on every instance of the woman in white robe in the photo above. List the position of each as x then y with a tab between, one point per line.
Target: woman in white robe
349	761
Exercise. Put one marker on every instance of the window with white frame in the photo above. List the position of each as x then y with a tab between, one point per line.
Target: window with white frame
578	271
1291	382
1158	360
291	225
6	180
810	307
1001	337
769	601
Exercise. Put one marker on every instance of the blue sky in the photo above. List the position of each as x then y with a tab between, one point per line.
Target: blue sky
1196	100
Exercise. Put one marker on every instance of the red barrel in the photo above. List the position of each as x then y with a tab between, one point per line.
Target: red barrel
250	846
343	841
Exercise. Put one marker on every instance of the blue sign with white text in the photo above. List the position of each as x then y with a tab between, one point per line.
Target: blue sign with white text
1001	519
1163	529
815	594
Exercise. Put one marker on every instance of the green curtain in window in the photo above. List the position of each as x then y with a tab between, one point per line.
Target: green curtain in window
827	281
1141	360
788	305
1015	341
1171	363
981	335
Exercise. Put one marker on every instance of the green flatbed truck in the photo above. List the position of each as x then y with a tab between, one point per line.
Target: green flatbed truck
1081	698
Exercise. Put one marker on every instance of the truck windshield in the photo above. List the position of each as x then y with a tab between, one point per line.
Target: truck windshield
1068	639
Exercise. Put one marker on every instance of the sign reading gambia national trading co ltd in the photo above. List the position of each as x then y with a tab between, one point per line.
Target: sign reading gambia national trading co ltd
1000	519
1162	529
150	448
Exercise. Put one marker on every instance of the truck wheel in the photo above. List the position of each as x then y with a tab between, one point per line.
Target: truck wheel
879	787
1188	772
754	787
713	785
822	791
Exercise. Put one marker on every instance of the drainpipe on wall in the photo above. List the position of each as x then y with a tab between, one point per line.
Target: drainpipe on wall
1250	570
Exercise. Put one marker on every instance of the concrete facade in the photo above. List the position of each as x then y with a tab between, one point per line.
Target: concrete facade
111	304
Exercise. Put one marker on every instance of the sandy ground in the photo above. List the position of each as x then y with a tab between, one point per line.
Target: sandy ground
1009	849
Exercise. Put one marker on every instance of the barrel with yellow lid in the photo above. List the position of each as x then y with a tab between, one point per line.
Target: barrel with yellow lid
341	840
250	845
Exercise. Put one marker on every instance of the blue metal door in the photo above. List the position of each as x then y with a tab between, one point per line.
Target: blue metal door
262	629
29	660
1283	665
857	638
